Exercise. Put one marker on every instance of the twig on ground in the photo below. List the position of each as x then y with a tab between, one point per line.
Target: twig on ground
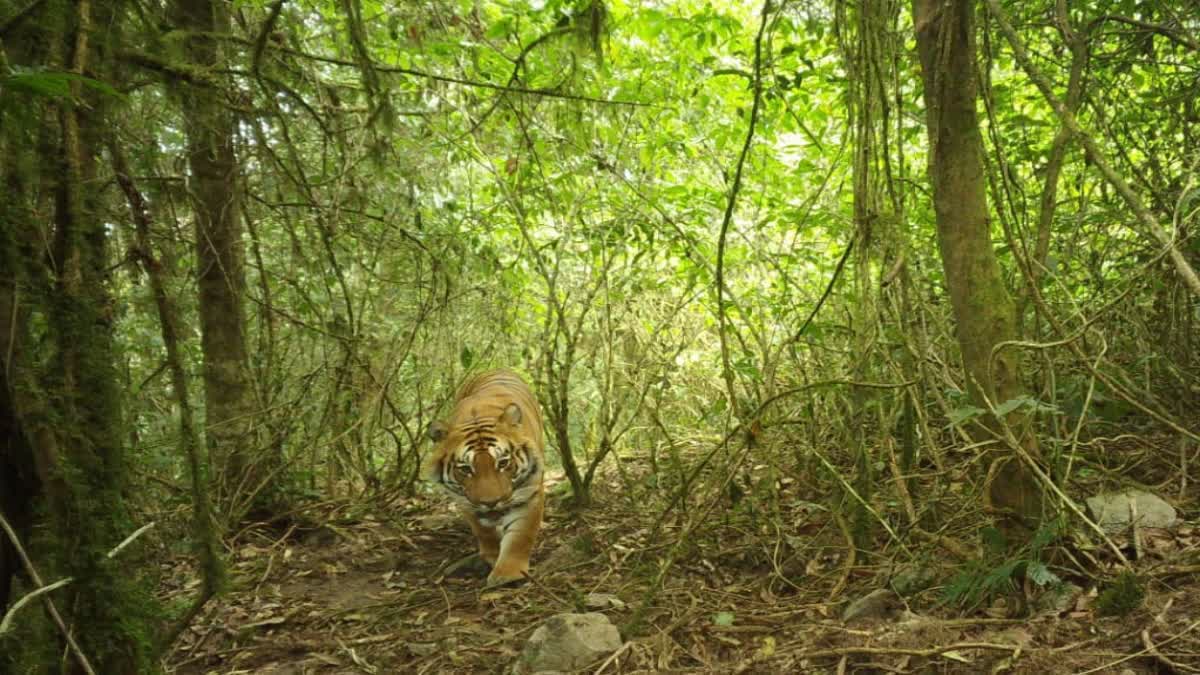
1153	651
613	657
1142	652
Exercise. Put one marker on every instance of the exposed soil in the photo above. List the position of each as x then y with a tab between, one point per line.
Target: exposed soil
758	588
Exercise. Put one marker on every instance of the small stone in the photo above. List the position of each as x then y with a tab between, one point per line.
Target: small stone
1113	511
568	642
603	601
877	604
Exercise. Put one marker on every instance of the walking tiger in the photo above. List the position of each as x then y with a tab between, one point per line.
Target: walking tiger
490	456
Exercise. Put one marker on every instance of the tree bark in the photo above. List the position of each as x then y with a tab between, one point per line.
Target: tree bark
220	261
19	482
983	310
207	540
61	406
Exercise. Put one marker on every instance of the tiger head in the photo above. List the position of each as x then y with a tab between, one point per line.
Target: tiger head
487	461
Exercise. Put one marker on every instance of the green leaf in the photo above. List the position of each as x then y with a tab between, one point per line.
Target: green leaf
723	618
466	357
1012	404
53	84
500	29
960	415
1037	572
649	25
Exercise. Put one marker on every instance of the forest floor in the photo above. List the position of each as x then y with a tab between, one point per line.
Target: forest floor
754	590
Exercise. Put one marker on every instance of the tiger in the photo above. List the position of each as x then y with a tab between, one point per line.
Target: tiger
490	456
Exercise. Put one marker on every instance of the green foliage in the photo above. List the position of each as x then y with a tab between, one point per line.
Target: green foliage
1121	597
52	84
496	193
998	572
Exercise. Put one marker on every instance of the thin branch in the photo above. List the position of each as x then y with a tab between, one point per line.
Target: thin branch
41	589
206	539
828	289
1080	50
549	93
1182	266
182	72
397	70
6	624
722	319
1165	31
260	43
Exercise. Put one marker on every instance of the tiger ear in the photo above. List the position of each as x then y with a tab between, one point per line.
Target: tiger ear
436	432
512	414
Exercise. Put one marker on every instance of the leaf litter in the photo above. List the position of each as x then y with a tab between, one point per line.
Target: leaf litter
744	596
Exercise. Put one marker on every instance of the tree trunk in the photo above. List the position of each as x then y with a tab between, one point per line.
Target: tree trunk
215	190
983	310
61	408
19	483
207	542
558	379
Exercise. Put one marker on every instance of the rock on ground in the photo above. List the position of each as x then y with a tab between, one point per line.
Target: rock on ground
878	604
568	642
1113	511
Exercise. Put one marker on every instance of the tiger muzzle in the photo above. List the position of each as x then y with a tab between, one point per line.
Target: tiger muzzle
490	508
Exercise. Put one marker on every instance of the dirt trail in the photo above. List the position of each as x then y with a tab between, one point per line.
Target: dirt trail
361	595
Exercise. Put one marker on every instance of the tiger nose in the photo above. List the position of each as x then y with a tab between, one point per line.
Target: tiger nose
489	502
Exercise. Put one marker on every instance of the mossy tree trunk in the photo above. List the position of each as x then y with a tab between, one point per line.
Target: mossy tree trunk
20	125
984	313
19	483
63	387
220	259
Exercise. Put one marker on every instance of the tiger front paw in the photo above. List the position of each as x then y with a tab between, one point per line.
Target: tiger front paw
499	579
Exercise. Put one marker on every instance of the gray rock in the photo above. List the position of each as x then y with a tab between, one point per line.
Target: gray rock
568	642
877	604
1113	513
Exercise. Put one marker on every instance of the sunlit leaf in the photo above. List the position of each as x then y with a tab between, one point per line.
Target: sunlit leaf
723	618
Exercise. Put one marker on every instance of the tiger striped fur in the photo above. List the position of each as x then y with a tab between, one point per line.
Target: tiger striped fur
489	455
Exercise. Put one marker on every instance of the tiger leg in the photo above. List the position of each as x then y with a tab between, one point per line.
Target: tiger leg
516	546
489	540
